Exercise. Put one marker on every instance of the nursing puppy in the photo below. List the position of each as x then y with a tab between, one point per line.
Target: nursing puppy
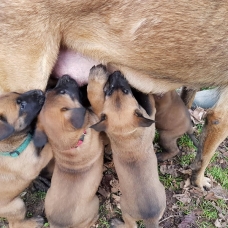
71	200
20	160
130	131
172	121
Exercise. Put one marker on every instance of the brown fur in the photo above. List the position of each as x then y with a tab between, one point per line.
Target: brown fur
16	173
130	132
71	201
172	121
159	46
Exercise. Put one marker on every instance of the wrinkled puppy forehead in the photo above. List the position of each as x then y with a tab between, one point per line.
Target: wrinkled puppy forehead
116	81
65	89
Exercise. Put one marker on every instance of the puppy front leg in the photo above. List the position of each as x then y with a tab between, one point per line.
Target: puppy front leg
15	212
46	155
97	78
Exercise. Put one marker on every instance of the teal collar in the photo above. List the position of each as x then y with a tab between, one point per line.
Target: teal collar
20	149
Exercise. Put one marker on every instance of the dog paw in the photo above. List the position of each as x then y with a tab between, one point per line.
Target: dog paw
41	184
116	223
39	221
35	222
98	73
203	183
163	156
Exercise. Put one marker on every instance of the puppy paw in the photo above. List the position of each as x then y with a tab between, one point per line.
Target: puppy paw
35	222
116	223
163	156
39	221
98	73
41	184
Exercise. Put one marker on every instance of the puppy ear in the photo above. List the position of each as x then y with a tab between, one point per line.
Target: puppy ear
77	117
5	130
143	121
101	125
39	138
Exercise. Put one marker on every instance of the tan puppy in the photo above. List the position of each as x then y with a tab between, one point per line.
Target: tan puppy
20	160
172	121
71	201
159	46
130	131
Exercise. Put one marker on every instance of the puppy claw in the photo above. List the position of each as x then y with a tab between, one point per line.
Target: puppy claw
206	183
203	183
98	73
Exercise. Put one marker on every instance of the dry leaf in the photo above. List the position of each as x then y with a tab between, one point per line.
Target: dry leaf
188	221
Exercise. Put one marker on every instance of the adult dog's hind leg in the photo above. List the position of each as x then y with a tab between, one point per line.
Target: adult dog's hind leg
214	132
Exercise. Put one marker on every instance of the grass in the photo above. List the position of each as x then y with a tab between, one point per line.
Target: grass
103	222
170	182
186	159
185	141
219	174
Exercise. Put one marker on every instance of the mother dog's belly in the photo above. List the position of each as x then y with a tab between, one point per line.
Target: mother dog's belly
75	65
78	67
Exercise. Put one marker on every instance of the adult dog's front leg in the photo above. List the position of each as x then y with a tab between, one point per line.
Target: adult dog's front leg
97	78
214	132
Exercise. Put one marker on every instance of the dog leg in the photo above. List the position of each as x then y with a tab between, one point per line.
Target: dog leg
97	78
214	132
188	95
169	146
15	212
129	222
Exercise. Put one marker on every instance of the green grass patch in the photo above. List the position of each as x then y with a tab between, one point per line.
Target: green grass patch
209	211
156	137
185	141
219	174
170	182
140	224
186	159
103	222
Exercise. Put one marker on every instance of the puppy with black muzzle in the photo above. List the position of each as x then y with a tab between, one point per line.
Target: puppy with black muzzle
20	160
71	201
130	130
172	121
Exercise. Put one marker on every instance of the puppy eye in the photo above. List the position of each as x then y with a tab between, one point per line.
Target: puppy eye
64	109
62	91
19	101
3	118
138	114
22	105
103	117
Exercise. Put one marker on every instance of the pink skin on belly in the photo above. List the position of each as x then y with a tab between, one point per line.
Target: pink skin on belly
75	65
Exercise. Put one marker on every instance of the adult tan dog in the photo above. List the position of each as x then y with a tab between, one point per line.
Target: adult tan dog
71	200
172	121
157	45
20	160
130	130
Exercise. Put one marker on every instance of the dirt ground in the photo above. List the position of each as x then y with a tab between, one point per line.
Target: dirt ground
187	206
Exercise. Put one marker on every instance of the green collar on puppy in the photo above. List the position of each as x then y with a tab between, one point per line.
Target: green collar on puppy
20	149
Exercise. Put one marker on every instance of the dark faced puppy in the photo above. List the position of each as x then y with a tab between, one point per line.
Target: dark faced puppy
130	130
71	200
172	121
20	161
